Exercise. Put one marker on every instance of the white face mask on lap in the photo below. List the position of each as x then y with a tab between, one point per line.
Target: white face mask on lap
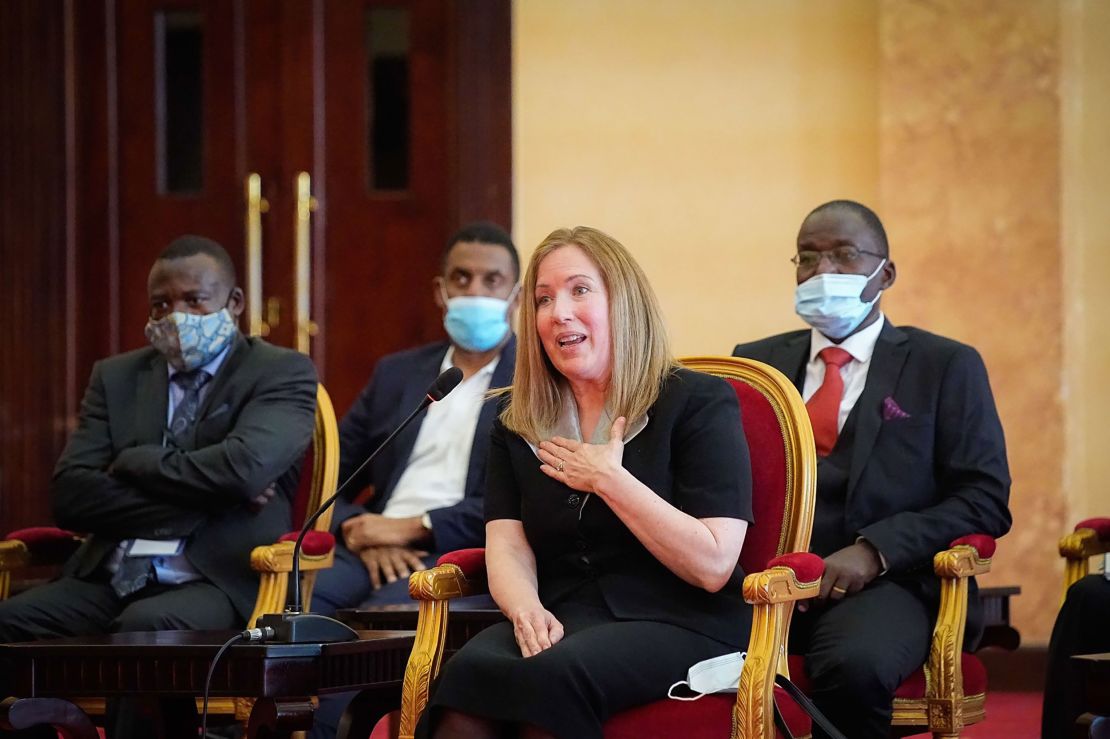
715	675
833	303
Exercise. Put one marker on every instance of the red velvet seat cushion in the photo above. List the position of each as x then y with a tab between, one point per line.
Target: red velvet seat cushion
471	561
710	716
315	544
1101	526
984	545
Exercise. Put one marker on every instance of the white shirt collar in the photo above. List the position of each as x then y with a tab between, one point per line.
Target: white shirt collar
449	362
861	345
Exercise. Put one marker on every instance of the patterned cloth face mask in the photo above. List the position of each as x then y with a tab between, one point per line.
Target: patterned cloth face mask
187	340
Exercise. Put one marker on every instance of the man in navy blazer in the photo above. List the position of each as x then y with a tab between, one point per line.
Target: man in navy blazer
911	456
428	484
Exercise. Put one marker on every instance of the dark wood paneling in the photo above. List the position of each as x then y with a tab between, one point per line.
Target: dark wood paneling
482	116
34	330
81	220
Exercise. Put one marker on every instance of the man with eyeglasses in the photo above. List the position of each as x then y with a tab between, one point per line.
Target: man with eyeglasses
911	456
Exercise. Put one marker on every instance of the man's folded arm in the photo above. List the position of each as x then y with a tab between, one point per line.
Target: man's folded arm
86	499
92	502
270	434
972	473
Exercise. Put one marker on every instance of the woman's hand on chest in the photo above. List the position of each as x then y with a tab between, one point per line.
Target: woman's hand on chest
589	468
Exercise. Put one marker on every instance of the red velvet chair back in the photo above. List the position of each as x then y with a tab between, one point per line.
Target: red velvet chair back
777	428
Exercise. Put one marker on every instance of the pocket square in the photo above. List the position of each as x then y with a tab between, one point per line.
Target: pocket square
892	411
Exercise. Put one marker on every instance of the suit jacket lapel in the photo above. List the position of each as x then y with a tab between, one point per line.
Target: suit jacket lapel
221	387
882	377
790	358
151	401
422	373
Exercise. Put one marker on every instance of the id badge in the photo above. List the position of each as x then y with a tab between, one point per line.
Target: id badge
155	547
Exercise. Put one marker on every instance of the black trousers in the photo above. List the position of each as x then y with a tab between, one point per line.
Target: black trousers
601	666
859	650
1082	627
75	607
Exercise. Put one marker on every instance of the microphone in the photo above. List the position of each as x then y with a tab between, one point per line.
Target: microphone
296	627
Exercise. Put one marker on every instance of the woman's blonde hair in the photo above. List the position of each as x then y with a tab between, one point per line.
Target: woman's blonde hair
641	354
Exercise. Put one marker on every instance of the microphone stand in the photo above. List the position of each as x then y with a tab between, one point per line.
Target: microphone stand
294	626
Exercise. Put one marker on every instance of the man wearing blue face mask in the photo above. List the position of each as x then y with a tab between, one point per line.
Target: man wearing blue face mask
184	459
911	456
427	486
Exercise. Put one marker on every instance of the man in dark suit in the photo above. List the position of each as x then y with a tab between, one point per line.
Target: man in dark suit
427	486
910	456
184	459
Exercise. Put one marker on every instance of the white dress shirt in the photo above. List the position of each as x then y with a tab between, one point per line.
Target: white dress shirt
861	346
435	476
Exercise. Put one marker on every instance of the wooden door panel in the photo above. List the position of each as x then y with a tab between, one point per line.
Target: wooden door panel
383	247
150	216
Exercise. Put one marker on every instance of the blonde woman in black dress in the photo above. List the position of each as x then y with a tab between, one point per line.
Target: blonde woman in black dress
618	494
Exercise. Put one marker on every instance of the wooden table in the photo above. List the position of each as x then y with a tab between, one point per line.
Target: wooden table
1096	689
997	631
282	678
468	616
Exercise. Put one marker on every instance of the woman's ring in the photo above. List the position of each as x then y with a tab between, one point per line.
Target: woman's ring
838	589
560	467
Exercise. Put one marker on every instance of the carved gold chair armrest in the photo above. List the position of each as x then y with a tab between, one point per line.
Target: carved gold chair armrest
1090	538
772	593
433	589
274	562
944	688
14	555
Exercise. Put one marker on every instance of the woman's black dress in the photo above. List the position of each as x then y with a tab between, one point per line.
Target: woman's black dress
632	627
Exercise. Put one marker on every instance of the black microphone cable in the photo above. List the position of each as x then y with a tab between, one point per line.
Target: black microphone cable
246	635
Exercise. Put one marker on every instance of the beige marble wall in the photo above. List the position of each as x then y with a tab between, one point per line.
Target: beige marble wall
969	179
1085	167
700	133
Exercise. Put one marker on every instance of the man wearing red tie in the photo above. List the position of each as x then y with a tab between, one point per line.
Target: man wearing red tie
910	456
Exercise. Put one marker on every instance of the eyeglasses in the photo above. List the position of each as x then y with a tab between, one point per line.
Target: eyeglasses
841	256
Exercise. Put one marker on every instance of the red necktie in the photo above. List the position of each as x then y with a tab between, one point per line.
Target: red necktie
824	405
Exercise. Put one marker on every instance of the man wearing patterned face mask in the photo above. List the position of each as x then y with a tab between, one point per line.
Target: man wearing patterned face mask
427	486
185	458
910	457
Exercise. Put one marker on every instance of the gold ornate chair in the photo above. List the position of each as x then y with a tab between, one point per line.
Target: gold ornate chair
1090	538
784	483
273	562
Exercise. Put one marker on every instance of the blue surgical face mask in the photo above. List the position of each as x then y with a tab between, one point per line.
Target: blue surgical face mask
475	322
833	304
188	341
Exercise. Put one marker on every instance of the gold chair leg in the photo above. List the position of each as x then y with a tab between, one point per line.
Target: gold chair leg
424	663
